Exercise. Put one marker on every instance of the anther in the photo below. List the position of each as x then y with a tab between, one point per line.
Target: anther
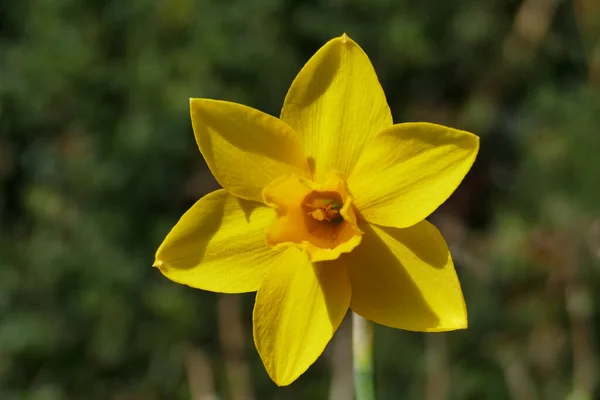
327	211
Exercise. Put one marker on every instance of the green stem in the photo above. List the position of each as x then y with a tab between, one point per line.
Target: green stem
362	349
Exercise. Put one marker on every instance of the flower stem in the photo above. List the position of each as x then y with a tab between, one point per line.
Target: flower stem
362	349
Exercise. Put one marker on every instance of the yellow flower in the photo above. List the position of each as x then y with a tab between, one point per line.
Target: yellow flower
323	210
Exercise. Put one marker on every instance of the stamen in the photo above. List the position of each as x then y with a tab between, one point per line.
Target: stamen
325	210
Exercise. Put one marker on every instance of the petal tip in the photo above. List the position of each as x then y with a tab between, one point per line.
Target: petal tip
344	38
283	382
197	101
282	379
194	103
471	136
458	324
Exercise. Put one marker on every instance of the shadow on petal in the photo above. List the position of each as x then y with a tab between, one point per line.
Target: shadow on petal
186	244
246	129
428	243
248	207
316	77
382	289
335	285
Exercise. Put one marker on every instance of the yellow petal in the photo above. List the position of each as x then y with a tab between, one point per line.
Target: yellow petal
409	170
298	308
337	106
219	245
405	278
244	148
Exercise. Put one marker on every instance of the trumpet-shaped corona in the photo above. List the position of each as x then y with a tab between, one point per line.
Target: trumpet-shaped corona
319	218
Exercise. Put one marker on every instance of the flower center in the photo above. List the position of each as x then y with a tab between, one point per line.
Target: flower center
324	207
319	218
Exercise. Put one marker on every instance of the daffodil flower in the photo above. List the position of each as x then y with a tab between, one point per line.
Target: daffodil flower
322	210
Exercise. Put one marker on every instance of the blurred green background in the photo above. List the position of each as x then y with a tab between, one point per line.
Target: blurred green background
98	161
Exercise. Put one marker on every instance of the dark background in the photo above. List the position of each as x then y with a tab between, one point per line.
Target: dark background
98	161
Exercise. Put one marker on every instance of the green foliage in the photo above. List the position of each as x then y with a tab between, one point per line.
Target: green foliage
98	160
